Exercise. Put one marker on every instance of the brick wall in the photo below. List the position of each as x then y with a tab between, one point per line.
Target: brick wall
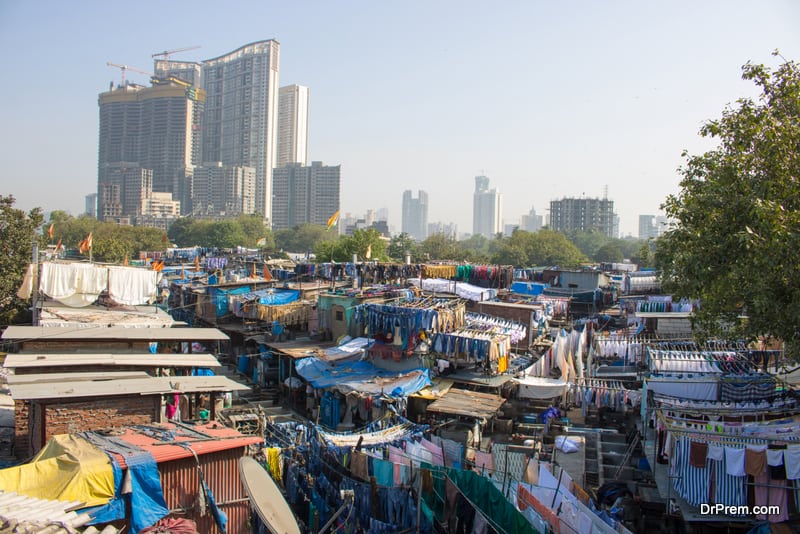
95	414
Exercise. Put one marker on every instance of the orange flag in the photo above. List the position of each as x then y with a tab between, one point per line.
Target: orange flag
85	245
253	272
197	263
58	246
50	231
267	274
125	261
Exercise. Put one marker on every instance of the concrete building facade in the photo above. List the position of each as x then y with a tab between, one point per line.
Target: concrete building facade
582	215
240	122
487	217
415	215
305	194
293	104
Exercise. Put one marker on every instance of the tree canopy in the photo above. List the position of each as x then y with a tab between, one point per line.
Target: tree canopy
18	232
246	231
735	241
544	248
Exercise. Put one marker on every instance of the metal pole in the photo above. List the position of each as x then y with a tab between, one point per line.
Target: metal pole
35	293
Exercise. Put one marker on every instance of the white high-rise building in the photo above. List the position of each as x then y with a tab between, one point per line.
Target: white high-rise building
293	125
240	123
487	218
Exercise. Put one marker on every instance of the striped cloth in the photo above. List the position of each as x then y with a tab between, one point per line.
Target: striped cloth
728	489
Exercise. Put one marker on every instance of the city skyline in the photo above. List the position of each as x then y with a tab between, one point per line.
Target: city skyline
549	101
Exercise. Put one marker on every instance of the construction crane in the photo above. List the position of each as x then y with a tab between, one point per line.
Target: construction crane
166	53
124	68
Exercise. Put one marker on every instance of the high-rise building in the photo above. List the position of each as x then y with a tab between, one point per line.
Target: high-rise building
531	222
91	205
415	215
449	230
582	215
122	190
240	123
487	219
292	125
305	194
223	191
647	226
155	128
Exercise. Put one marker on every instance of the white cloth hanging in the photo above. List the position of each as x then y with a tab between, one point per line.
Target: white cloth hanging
132	286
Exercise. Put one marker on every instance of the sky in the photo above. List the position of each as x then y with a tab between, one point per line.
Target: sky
547	99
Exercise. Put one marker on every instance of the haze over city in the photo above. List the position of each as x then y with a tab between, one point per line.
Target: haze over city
548	101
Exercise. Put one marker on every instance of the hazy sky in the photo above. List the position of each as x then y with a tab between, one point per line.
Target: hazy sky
547	99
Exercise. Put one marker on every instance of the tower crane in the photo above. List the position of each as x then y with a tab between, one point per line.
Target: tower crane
123	68
166	53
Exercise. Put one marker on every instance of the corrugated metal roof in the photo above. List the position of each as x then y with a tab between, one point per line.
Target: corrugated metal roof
40	333
74	377
31	360
41	513
220	438
300	349
125	386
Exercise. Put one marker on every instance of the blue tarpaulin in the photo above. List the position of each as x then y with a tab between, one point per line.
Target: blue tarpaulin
528	288
220	298
362	376
272	297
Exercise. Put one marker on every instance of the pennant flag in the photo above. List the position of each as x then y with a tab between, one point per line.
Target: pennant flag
125	261
59	246
197	263
262	242
368	254
85	245
267	274
334	218
50	231
253	272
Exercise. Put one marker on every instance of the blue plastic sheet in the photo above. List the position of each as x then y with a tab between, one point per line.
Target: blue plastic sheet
147	498
360	376
528	288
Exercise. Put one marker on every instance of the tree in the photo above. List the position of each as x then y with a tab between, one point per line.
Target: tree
439	247
611	252
303	238
737	232
544	248
18	232
400	245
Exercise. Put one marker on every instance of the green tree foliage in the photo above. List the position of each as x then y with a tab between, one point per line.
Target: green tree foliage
303	238
111	242
737	233
18	231
400	245
244	231
440	247
343	249
611	252
542	248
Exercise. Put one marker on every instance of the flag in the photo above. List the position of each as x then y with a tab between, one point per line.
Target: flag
85	245
267	274
125	261
197	263
58	246
334	218
262	242
368	254
50	231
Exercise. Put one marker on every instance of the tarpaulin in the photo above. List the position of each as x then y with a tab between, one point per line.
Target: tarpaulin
362	377
69	468
220	298
271	297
